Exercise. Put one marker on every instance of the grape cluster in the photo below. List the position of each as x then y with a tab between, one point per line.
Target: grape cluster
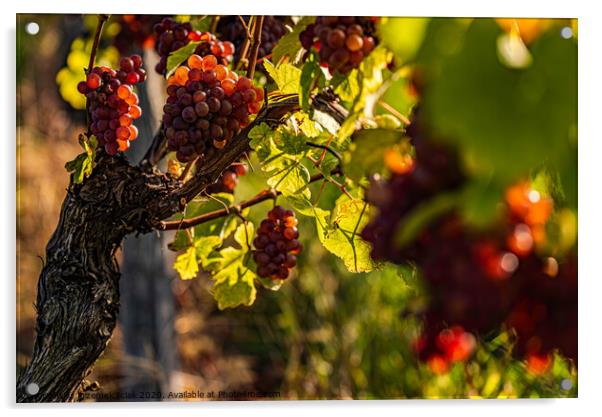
273	29
228	181
342	42
113	105
207	106
172	35
136	30
478	281
276	244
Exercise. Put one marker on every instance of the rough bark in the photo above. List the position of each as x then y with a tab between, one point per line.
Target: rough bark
78	290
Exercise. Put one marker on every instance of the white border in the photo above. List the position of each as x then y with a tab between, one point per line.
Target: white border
590	203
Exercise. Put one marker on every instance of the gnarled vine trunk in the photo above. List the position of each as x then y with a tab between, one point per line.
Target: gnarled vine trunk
78	289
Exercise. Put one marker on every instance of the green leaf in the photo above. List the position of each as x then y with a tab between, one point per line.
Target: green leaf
303	206
347	86
186	264
289	177
233	293
289	45
506	122
293	144
403	35
202	24
277	151
342	236
176	58
311	74
232	276
367	151
286	76
81	167
309	127
221	227
205	245
369	80
260	136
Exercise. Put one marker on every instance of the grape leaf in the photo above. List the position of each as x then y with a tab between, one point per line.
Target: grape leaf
342	236
311	75
233	278
285	171
187	263
260	137
369	80
367	151
81	167
293	144
347	86
309	127
202	24
286	76
289	45
177	57
387	121
303	206
289	177
221	227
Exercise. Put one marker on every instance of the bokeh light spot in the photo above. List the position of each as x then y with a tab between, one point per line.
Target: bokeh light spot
32	28
566	32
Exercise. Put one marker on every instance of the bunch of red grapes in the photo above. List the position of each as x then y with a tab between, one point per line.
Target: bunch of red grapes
113	105
479	281
207	106
232	29
228	181
172	35
276	244
342	42
137	30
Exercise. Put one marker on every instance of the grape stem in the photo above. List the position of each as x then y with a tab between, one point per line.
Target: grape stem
262	196
393	111
214	23
102	18
244	25
255	42
245	46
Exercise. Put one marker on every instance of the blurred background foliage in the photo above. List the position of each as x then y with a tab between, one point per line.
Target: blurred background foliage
327	333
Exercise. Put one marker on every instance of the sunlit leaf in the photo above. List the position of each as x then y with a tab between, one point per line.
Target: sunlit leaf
286	76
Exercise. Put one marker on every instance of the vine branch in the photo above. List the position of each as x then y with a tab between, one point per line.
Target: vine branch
255	42
260	197
245	46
